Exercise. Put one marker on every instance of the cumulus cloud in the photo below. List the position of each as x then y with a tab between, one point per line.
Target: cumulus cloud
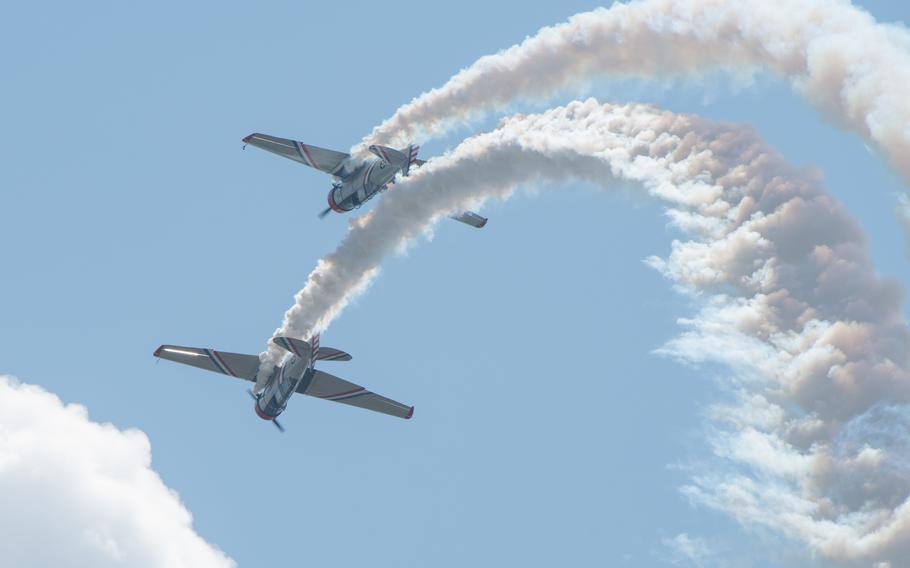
813	343
78	493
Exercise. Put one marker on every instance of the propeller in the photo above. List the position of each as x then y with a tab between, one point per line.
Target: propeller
324	213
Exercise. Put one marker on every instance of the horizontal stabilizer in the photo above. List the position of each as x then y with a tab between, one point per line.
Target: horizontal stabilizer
332	354
328	161
330	387
232	364
389	155
471	218
298	347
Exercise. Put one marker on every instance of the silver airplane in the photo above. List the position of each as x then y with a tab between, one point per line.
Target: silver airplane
294	374
354	182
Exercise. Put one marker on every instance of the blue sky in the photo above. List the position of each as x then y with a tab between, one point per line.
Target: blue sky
545	432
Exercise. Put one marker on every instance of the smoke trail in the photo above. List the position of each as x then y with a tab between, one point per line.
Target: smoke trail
813	342
855	70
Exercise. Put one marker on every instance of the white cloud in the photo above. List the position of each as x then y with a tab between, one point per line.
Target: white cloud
74	492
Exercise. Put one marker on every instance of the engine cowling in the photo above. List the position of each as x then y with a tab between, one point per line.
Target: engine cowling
337	201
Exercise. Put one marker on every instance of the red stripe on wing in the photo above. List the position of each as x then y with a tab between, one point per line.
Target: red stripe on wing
336	395
223	362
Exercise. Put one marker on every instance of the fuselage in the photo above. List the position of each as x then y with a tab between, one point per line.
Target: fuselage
283	383
363	183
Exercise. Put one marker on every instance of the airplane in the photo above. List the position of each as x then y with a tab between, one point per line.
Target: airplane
354	183
296	373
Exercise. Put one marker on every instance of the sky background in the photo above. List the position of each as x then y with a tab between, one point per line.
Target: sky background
546	431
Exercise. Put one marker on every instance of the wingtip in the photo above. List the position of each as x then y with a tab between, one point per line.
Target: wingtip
157	352
247	139
410	413
483	223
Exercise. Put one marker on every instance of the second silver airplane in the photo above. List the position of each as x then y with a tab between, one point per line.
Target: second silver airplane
354	183
295	374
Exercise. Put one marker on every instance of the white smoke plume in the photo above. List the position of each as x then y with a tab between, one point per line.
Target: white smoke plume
78	493
814	349
854	69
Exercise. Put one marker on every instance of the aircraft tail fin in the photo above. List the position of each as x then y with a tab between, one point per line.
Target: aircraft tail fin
411	152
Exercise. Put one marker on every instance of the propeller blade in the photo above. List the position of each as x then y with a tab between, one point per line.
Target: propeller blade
324	213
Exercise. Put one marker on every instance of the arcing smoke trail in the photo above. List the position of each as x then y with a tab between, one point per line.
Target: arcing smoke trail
837	56
813	341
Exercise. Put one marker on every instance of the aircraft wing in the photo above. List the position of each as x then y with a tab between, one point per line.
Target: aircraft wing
232	364
330	387
328	161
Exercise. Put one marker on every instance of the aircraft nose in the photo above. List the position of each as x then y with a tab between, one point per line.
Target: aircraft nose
259	411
